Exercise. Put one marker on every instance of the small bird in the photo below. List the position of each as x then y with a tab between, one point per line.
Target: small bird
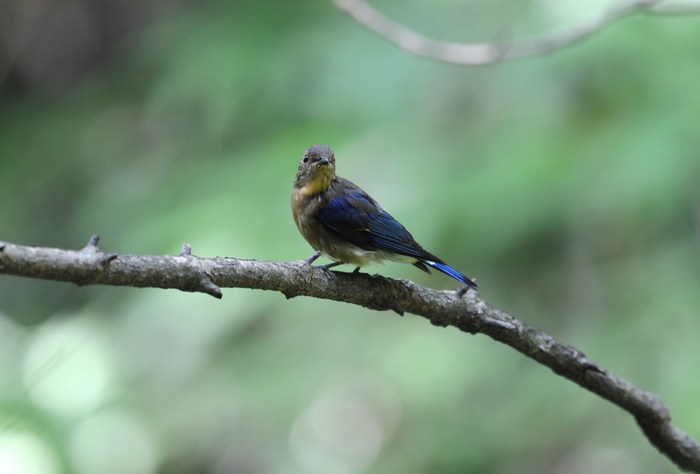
344	223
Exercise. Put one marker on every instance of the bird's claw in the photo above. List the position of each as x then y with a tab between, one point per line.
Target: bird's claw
310	259
329	265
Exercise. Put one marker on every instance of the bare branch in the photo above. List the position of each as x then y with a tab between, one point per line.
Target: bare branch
492	52
466	312
677	7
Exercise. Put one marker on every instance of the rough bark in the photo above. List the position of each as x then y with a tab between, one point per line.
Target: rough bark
465	311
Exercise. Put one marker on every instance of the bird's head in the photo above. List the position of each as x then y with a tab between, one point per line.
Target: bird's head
316	170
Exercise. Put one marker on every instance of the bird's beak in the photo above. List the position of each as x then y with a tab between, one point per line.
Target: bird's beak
324	161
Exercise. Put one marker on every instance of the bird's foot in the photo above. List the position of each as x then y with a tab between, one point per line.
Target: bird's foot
309	260
312	258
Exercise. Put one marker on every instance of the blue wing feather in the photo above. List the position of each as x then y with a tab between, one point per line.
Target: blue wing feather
389	235
356	218
346	220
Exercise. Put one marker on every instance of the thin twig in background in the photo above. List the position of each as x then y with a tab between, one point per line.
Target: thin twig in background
473	54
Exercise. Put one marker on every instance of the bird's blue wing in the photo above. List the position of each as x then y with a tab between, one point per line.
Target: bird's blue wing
389	235
346	220
356	218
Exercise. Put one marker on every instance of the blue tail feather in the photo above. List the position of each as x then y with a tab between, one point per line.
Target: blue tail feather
448	270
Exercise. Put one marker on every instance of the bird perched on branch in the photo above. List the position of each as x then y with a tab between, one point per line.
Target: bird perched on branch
344	223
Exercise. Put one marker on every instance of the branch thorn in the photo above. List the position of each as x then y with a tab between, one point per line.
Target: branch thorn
93	241
210	288
186	250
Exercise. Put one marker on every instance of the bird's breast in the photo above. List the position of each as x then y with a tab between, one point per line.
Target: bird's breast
305	209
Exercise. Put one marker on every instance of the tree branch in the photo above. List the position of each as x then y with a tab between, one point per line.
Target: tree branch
491	52
466	312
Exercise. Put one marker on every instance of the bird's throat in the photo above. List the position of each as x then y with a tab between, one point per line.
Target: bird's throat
319	183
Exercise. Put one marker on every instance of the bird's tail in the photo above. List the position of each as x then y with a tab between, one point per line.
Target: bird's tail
448	270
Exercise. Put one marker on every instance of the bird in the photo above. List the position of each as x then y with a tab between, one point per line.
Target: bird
344	223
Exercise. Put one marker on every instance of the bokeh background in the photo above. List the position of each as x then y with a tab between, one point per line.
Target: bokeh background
566	184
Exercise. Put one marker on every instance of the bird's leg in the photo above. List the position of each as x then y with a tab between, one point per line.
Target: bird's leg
313	257
309	260
356	270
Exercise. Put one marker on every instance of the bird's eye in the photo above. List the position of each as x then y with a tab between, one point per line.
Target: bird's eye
305	159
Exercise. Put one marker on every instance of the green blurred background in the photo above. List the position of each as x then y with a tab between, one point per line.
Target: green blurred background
566	184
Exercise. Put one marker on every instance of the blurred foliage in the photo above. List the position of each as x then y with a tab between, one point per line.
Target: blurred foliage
567	184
